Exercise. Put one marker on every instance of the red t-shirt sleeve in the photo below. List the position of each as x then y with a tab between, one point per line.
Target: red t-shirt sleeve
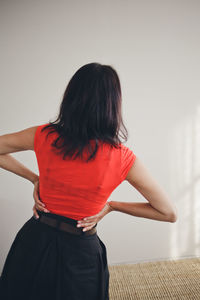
127	160
36	137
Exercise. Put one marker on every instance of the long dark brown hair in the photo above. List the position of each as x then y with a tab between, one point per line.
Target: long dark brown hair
90	110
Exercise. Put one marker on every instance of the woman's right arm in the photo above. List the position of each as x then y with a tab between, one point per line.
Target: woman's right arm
159	207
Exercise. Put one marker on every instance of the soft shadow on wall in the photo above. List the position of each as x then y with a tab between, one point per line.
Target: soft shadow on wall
184	152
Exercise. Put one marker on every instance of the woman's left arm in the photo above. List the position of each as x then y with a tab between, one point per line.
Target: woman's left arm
9	163
15	142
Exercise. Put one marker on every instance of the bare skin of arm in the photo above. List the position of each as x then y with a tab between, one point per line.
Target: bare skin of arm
159	206
15	142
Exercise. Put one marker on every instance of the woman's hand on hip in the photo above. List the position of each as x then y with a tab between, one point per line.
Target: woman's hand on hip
38	204
89	222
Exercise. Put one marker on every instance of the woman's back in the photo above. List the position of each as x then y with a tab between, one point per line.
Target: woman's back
75	188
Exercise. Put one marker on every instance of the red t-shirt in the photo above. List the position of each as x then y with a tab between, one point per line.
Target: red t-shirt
74	188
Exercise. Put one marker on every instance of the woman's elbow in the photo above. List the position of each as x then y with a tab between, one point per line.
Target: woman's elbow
173	217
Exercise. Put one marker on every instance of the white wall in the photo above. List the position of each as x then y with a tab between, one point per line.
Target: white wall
154	46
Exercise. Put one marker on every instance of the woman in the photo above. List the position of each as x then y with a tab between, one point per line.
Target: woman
81	160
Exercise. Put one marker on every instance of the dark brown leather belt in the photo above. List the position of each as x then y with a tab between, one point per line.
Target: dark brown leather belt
65	226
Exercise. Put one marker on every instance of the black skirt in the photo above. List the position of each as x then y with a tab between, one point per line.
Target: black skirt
46	263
